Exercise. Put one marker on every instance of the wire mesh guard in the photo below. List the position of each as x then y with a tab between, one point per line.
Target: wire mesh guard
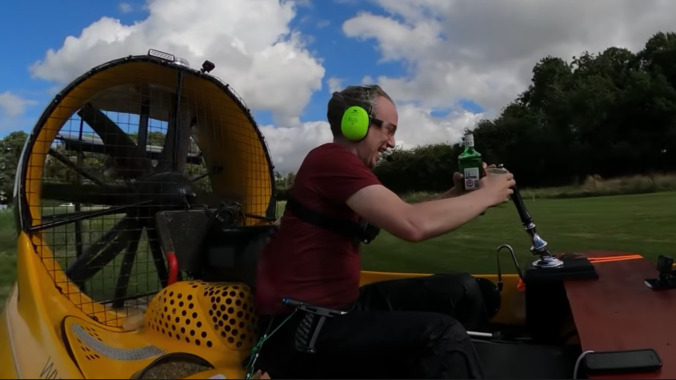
122	145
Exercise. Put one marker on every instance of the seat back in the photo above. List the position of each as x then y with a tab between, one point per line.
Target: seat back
209	250
232	253
182	232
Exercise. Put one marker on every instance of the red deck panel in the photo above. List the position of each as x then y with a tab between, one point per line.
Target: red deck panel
619	312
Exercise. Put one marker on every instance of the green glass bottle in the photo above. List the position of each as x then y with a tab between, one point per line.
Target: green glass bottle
470	164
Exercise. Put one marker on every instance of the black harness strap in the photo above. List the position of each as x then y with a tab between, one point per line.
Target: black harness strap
363	231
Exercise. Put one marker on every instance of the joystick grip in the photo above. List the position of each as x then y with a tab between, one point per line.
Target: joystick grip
521	207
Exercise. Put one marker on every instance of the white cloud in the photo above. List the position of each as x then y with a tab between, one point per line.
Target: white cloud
335	84
12	110
288	146
125	7
419	127
323	23
484	50
13	105
249	41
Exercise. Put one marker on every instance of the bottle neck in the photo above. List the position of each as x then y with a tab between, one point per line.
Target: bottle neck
469	142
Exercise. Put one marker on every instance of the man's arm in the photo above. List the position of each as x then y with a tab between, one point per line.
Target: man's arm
424	220
420	221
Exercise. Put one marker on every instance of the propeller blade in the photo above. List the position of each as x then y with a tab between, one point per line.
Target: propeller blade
144	117
95	145
125	269
104	250
177	141
92	194
56	220
158	255
118	144
86	174
216	169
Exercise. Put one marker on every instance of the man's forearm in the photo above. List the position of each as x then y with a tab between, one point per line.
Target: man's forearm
436	217
448	194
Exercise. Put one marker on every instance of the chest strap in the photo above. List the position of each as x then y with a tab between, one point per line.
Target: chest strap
364	231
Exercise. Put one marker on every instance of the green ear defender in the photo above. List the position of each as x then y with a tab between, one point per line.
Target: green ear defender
355	123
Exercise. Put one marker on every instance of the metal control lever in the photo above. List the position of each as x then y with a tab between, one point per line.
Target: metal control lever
539	245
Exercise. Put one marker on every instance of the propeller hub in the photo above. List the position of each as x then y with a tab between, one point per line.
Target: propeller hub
167	190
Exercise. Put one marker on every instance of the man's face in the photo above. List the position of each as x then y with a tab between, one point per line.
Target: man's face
380	137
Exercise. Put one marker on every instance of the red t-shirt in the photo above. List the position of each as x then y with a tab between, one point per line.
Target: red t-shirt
309	263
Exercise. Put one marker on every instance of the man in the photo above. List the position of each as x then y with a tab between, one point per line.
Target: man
403	328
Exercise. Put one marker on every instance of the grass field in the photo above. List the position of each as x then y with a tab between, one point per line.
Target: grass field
641	223
7	256
634	223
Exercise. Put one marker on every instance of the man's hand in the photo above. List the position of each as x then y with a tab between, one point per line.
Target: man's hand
497	188
488	167
456	190
458	186
260	375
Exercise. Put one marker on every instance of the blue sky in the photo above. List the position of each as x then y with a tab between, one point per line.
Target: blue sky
447	63
34	29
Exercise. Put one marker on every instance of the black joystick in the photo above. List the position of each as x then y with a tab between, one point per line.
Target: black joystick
539	245
568	266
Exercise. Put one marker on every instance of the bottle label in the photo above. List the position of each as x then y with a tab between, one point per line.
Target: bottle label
471	178
469	140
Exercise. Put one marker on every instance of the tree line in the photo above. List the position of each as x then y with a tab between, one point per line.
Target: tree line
10	152
611	114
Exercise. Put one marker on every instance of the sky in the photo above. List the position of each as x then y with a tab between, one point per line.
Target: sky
446	63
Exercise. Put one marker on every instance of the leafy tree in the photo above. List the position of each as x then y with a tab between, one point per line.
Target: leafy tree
283	185
611	113
424	168
10	152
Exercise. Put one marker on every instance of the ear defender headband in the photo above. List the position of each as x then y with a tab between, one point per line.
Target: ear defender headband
356	121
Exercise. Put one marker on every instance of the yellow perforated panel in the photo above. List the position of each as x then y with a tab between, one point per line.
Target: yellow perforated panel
205	314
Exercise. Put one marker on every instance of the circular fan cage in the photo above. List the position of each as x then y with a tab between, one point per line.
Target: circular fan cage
116	162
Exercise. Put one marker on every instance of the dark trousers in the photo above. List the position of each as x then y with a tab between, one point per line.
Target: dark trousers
408	328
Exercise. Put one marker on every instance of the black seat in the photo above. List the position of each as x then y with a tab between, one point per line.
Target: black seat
526	361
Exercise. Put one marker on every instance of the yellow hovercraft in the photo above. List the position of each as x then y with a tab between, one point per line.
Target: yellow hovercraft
142	197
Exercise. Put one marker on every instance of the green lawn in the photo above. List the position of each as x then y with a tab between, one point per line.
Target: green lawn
7	257
7	232
634	223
